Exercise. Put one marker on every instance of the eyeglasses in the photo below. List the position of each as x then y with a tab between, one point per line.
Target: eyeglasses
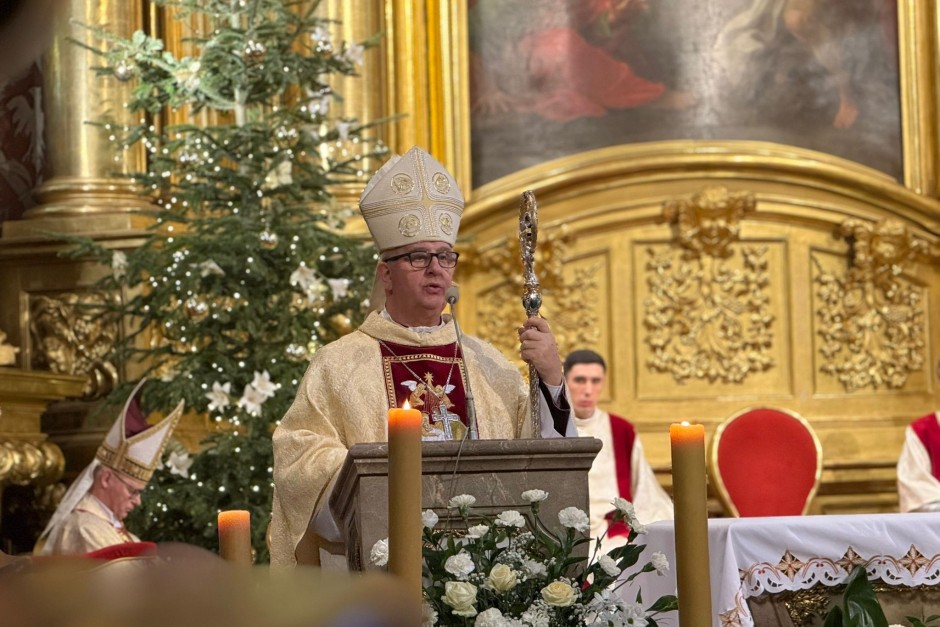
422	259
131	490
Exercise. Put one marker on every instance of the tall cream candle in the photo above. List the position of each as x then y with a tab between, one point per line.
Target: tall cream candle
235	536
404	497
690	493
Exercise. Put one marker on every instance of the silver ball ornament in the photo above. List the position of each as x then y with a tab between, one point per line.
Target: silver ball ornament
123	71
295	352
254	51
196	309
268	240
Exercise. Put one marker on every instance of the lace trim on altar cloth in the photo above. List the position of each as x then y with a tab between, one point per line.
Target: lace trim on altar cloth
790	573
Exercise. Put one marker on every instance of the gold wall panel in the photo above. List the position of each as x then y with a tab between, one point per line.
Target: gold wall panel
618	224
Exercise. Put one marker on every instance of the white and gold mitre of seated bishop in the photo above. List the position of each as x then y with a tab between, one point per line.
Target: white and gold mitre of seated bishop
133	446
412	198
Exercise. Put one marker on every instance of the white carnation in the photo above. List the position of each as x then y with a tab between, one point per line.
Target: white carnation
533	568
660	563
537	616
624	506
510	518
461	501
429	518
609	566
379	553
459	565
574	518
490	618
534	496
477	531
428	615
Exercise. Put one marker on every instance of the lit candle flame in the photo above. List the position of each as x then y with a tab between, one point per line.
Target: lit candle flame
406	405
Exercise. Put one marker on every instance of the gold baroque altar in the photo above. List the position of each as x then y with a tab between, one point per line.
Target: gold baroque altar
713	274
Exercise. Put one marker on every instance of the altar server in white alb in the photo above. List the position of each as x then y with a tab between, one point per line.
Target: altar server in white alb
92	512
620	468
406	350
919	464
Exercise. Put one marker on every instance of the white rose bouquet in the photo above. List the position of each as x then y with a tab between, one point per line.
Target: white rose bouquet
513	571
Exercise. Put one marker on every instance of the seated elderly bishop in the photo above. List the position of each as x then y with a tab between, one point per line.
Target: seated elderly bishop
92	512
919	465
406	350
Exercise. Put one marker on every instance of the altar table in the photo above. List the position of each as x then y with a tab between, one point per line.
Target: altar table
753	556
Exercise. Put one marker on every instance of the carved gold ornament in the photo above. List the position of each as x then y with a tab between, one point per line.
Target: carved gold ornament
23	462
573	327
708	313
870	318
709	222
70	337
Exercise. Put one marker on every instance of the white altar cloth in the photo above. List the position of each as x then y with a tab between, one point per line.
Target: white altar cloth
751	556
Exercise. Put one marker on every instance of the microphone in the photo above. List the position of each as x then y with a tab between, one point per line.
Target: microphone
452	295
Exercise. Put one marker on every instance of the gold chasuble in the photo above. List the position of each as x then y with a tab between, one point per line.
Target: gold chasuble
344	400
89	527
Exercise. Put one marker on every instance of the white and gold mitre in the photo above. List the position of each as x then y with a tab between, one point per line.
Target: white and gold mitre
412	198
132	446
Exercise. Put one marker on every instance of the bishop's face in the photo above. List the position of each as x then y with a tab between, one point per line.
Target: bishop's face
120	493
415	295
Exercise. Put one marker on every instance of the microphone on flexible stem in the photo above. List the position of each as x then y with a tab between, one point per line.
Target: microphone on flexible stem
452	294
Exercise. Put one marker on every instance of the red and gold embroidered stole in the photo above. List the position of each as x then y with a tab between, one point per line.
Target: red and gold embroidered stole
430	378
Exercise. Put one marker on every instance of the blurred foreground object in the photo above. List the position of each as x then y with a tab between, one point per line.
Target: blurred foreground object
185	585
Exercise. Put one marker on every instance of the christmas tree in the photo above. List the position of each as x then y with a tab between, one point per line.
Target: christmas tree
245	270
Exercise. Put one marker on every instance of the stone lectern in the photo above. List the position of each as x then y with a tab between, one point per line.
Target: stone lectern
496	472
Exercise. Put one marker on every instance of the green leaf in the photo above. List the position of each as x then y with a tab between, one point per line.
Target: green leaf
665	603
834	618
860	607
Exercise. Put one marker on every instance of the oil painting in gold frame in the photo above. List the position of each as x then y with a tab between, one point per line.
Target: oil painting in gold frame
549	79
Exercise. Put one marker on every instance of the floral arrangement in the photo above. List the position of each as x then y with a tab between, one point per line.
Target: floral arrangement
513	571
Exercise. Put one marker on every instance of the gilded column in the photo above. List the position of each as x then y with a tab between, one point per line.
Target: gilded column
86	181
364	97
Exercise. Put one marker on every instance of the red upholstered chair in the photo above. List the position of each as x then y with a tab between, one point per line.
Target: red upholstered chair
765	462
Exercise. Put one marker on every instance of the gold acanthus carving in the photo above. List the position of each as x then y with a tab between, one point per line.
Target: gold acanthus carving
70	336
30	463
573	327
707	315
870	319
